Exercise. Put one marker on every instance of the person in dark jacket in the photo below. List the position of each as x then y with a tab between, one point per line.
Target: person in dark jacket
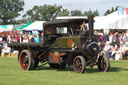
20	38
115	39
4	38
105	37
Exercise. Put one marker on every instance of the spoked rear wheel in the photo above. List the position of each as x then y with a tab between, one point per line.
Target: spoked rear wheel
103	63
79	64
26	61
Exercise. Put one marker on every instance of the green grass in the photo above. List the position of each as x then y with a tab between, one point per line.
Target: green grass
11	74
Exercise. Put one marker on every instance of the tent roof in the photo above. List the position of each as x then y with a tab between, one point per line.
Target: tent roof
37	25
112	21
21	28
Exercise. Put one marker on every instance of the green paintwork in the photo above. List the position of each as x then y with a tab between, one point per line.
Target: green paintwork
62	42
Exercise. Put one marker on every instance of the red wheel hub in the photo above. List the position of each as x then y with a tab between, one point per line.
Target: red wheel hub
24	62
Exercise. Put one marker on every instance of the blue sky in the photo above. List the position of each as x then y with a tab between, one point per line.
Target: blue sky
83	5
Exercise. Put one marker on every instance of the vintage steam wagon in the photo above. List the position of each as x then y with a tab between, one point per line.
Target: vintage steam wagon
65	42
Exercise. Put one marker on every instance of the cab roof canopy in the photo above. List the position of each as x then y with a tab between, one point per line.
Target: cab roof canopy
64	21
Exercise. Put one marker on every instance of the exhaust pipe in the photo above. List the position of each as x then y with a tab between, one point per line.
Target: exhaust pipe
91	26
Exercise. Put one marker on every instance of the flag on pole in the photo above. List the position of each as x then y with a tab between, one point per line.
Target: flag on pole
120	11
126	11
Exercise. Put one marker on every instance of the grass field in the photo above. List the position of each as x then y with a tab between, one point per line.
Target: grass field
11	74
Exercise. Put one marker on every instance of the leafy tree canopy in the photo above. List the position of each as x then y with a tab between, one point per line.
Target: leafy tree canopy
76	13
109	11
45	12
91	13
9	10
50	12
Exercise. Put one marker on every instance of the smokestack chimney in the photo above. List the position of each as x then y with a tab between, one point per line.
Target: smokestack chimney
91	25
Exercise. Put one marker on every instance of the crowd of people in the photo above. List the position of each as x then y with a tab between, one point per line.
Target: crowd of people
115	44
22	37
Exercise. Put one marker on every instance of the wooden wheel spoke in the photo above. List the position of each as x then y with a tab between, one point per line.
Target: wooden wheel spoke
79	64
103	63
26	60
26	65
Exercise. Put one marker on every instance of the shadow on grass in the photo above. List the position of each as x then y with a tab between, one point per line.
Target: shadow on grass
48	68
117	69
43	68
87	70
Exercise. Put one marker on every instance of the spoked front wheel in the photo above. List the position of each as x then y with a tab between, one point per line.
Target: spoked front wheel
103	63
79	64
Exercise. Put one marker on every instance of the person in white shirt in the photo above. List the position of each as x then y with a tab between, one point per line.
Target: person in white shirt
107	48
113	51
110	38
6	50
25	40
121	51
1	38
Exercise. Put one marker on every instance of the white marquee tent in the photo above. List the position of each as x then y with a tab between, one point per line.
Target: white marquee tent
105	23
111	21
37	25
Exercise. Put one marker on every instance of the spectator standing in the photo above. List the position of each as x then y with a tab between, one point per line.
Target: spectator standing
26	39
115	39
32	38
125	38
9	39
37	39
110	38
20	38
121	51
4	38
1	39
107	48
126	33
97	37
42	36
105	38
113	51
101	37
6	50
17	38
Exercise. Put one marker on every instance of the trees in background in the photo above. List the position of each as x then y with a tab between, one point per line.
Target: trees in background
76	13
91	13
109	11
50	12
86	13
10	10
45	12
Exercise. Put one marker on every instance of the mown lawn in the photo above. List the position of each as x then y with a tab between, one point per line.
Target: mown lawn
11	74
